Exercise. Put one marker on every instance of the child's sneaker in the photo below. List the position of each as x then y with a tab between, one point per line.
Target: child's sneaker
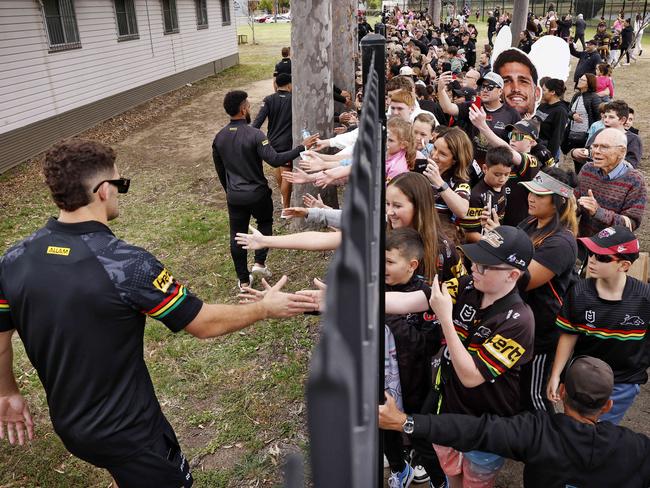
401	480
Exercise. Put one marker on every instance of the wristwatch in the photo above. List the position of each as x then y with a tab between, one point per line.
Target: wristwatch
442	187
408	426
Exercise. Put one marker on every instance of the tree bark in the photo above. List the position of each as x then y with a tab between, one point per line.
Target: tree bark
313	102
345	49
519	19
435	9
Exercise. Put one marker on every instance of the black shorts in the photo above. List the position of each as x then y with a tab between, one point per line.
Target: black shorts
160	465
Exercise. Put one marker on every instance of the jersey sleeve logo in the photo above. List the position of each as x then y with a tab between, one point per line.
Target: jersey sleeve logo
163	281
4	306
58	251
265	142
506	351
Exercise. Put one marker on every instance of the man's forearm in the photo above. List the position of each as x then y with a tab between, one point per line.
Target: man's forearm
7	380
215	320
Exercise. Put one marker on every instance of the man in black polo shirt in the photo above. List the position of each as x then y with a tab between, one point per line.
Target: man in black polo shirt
277	108
238	151
78	297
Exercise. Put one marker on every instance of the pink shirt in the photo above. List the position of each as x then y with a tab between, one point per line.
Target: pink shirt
603	82
396	165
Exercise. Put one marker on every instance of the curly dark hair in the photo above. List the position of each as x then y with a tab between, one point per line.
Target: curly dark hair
70	165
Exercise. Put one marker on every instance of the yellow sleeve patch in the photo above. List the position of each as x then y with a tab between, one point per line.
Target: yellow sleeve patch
163	281
59	251
452	288
506	351
265	142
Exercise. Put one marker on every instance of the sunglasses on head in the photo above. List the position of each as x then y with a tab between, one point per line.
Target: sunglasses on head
122	184
519	136
603	258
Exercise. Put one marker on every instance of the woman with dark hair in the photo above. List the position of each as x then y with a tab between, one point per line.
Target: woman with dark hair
552	226
448	173
584	112
553	115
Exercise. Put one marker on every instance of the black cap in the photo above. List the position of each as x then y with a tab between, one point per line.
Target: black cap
524	126
468	93
589	382
592	41
503	245
283	79
455	85
612	240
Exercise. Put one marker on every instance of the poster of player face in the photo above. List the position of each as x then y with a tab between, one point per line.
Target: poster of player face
521	72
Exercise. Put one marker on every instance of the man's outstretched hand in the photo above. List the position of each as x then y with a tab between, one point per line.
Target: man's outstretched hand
15	420
279	304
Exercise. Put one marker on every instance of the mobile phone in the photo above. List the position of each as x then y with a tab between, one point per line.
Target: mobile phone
477	102
446	66
489	202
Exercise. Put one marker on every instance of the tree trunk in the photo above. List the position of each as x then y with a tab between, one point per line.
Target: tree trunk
519	19
435	9
313	102
345	52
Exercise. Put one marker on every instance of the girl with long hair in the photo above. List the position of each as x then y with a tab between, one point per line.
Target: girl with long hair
410	203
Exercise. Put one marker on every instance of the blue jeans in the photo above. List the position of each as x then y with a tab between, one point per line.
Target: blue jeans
623	396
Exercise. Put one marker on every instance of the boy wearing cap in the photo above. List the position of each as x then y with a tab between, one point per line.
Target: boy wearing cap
570	449
488	331
606	316
497	114
523	141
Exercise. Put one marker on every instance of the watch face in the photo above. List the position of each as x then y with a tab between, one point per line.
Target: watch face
408	425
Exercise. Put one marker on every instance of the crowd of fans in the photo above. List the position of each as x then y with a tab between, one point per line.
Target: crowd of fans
511	209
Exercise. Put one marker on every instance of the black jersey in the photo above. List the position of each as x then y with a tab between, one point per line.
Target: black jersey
614	331
499	346
517	195
558	253
78	296
481	194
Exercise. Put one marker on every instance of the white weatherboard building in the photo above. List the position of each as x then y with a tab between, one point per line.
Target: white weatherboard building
66	65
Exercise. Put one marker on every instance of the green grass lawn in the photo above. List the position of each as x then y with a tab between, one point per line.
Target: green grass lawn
235	402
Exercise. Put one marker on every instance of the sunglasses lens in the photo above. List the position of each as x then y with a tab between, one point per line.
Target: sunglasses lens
123	185
603	258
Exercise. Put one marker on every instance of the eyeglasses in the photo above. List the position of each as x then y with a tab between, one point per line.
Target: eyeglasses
482	268
487	87
604	147
519	136
122	184
603	258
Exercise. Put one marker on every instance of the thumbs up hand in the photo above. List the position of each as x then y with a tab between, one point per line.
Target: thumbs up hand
589	203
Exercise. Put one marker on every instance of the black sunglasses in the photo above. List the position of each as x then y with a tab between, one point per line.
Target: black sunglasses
603	258
122	184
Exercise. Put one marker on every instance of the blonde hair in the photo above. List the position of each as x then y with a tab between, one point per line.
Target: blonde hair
402	131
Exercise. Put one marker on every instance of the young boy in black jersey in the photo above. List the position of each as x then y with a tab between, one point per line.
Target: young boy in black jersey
488	194
606	316
416	339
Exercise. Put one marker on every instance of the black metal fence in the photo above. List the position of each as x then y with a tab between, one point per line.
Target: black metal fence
346	370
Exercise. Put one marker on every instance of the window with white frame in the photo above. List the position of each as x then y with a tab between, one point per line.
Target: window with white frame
225	12
201	14
61	25
170	16
127	25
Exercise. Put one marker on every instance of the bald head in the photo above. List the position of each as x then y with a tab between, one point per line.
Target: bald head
471	79
609	149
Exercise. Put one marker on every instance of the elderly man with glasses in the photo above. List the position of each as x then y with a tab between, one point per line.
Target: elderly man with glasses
610	191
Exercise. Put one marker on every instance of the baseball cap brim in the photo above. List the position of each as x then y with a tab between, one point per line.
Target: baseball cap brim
480	255
625	248
536	188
